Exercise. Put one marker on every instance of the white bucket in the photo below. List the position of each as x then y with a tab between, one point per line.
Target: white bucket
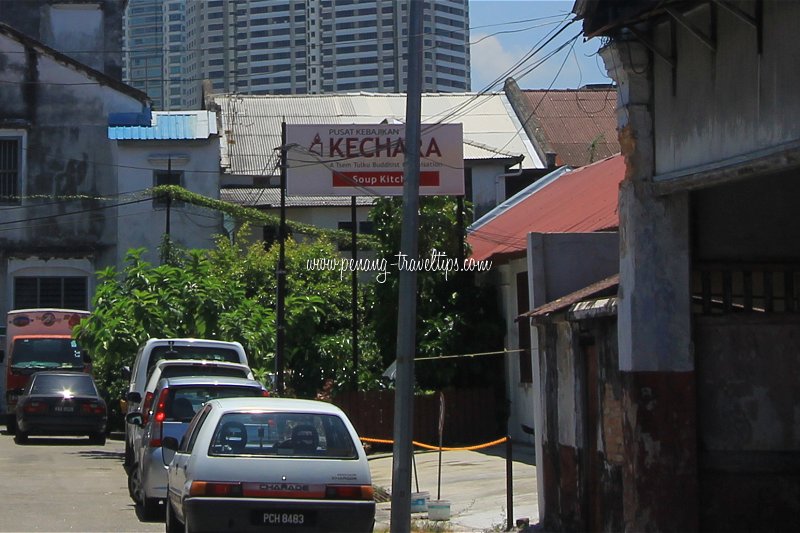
419	501
439	510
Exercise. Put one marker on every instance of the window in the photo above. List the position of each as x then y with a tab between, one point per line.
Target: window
167	177
69	292
10	169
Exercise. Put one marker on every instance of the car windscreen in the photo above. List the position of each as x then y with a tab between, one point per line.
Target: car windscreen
75	384
46	353
202	370
282	434
191	352
184	401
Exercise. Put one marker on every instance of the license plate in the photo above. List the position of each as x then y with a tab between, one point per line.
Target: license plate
286	518
63	408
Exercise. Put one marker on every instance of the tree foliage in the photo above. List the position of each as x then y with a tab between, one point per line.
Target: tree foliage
455	315
226	293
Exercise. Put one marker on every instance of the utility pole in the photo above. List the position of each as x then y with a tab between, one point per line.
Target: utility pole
281	274
407	305
169	195
354	288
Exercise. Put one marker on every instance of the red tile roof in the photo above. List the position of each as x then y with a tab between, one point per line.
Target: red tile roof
579	125
579	201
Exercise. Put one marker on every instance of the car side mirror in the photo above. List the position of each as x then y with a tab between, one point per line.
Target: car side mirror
134	418
126	372
169	445
134	397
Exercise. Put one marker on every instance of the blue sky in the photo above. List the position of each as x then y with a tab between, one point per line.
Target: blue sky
505	31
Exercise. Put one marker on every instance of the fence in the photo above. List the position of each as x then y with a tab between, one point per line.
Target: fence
471	415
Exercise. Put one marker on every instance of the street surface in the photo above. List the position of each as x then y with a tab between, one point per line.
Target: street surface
67	484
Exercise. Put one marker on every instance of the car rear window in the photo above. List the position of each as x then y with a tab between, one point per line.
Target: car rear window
77	384
284	435
183	402
202	370
191	352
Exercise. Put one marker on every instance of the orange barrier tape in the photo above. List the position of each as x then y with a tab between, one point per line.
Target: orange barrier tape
444	448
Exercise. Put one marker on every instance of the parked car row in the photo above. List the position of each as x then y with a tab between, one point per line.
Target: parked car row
206	440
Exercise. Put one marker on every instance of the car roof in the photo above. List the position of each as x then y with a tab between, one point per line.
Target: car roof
61	373
275	404
199	362
183	381
184	341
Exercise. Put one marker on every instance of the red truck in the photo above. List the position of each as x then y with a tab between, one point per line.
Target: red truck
38	339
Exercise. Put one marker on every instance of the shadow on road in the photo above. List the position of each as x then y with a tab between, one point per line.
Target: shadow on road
102	454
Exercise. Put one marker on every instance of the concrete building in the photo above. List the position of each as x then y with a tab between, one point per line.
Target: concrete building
494	144
88	31
554	237
174	148
58	181
291	47
707	330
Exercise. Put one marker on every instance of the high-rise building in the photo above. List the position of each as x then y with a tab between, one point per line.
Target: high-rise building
296	46
155	44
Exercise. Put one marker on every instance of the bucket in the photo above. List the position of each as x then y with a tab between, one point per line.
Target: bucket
419	501
439	510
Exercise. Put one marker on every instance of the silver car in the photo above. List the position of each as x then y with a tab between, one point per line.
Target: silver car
269	464
177	400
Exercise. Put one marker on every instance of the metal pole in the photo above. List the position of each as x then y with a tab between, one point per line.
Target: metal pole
281	274
407	305
510	483
354	286
169	196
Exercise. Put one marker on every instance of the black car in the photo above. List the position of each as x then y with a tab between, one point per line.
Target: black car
61	403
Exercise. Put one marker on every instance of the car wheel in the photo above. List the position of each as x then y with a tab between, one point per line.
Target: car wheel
133	483
151	509
98	438
11	424
173	526
20	437
128	455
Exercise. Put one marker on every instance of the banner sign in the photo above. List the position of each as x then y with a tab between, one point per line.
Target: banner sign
367	160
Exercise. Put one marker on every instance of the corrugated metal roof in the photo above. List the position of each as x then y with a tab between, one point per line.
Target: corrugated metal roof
579	125
605	287
582	200
169	125
251	125
270	197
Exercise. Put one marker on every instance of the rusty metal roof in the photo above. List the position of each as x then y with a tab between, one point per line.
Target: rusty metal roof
578	201
579	125
604	287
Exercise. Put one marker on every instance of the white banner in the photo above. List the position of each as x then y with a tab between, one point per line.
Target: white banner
367	159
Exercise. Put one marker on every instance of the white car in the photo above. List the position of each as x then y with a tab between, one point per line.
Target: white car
268	464
177	400
155	350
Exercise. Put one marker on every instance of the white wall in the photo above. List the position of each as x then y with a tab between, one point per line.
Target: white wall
143	225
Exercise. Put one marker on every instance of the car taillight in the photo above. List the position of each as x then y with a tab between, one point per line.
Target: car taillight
93	408
215	488
148	401
35	407
158	417
265	393
349	492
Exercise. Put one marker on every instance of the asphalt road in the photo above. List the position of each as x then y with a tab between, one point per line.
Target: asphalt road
65	484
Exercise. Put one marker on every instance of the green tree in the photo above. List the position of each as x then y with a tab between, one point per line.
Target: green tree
455	315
